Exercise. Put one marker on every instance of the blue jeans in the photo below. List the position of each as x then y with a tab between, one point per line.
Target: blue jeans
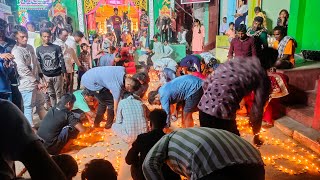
31	99
28	97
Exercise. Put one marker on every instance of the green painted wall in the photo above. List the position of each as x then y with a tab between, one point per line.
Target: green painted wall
72	11
272	9
302	24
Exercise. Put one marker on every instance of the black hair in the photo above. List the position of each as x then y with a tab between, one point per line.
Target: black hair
136	84
67	164
3	24
95	36
45	30
224	18
258	19
99	169
115	9
143	10
46	24
198	21
284	10
191	69
31	23
257	9
83	45
231	23
268	57
152	96
281	29
78	34
19	28
69	28
142	76
155	36
158	118
242	28
61	30
68	97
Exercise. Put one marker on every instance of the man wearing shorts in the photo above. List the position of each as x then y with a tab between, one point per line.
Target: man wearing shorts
186	89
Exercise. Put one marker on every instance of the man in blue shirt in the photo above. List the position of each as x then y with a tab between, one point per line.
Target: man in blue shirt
187	89
8	74
106	84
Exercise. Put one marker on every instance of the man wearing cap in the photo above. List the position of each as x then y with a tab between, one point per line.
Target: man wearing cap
243	45
116	24
259	33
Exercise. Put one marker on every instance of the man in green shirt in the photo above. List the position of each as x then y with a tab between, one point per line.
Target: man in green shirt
259	33
83	101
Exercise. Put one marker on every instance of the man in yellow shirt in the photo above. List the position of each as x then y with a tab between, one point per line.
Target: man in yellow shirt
286	47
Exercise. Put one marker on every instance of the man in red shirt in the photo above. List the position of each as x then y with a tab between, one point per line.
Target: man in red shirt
116	24
242	45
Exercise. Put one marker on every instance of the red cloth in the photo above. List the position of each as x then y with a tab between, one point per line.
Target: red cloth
199	75
130	67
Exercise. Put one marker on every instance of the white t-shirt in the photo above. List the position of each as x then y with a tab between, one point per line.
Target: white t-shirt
71	42
144	42
243	9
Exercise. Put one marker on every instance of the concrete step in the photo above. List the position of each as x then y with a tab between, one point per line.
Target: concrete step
306	136
311	98
301	113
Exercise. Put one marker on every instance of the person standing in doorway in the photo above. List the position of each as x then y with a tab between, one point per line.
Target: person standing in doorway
144	20
52	65
116	24
198	37
224	26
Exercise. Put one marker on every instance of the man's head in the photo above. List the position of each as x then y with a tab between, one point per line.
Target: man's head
78	35
144	33
279	33
231	26
98	169
154	98
242	32
143	11
224	19
63	34
111	50
268	58
88	97
158	119
67	164
20	34
45	35
142	77
115	10
3	28
257	23
31	26
67	101
46	24
165	42
155	38
95	37
131	84
69	29
257	10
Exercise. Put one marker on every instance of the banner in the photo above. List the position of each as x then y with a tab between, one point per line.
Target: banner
193	1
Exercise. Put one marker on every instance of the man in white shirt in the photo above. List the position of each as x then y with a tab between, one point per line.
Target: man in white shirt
34	38
70	58
224	26
28	69
71	42
143	42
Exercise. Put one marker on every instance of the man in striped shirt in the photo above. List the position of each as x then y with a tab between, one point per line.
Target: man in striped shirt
204	153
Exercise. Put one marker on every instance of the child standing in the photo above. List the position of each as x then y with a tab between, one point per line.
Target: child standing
231	33
85	61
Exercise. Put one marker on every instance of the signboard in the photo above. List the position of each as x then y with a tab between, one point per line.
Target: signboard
34	4
193	1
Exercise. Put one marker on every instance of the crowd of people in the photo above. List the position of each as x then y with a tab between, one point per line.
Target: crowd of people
37	72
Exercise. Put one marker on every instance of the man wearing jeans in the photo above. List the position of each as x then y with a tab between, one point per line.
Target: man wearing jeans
52	65
116	23
106	84
28	70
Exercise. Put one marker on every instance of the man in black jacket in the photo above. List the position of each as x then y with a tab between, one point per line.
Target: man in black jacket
52	65
144	143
